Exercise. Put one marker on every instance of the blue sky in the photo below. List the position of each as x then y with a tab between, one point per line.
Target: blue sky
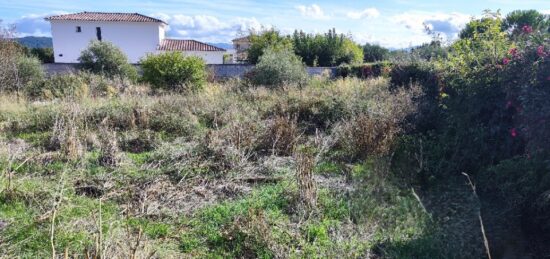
391	23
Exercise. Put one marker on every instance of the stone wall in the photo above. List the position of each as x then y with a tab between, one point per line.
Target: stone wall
219	71
229	70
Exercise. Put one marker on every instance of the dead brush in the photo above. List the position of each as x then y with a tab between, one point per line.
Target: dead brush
252	233
140	117
68	131
281	135
109	152
366	134
305	163
225	153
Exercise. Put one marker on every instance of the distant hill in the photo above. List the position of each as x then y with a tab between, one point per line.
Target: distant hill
222	45
46	42
36	42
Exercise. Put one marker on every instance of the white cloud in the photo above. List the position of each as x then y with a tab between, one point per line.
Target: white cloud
546	11
199	27
205	27
449	24
313	11
34	25
367	13
392	41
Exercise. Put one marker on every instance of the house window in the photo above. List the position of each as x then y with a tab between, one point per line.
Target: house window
98	33
78	29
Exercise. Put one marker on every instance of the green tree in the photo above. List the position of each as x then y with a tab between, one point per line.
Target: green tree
105	58
267	38
351	53
515	21
45	55
329	49
278	67
482	44
174	71
374	53
479	26
429	51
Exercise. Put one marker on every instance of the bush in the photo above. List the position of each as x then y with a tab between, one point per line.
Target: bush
278	67
45	55
174	71
107	59
343	70
29	70
373	132
364	70
58	86
403	75
16	69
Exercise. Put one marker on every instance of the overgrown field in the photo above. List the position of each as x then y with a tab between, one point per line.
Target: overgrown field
223	172
443	153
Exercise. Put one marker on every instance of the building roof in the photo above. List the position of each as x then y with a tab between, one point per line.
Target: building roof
104	17
242	38
186	45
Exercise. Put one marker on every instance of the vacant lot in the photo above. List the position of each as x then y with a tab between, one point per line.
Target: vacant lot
227	172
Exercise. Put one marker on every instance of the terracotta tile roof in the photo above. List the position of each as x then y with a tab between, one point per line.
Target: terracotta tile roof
241	38
186	45
104	17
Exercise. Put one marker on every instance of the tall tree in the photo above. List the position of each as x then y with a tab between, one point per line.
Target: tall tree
374	52
516	20
260	41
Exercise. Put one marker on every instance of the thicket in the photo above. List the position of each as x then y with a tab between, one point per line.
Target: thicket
106	59
375	53
174	71
277	68
17	70
328	49
487	121
45	55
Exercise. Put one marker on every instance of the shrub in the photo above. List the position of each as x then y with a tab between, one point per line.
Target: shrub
373	132
58	86
45	55
29	70
16	69
365	70
278	67
174	71
107	59
343	70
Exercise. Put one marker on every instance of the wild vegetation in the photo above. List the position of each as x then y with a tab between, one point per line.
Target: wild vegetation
424	155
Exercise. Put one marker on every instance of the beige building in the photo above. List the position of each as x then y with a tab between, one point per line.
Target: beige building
241	45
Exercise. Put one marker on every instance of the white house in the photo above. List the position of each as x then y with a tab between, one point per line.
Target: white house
135	34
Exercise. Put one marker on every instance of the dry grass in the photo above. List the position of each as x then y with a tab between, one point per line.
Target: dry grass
305	163
68	131
110	155
187	153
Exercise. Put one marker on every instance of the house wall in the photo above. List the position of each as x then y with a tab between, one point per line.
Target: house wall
134	38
